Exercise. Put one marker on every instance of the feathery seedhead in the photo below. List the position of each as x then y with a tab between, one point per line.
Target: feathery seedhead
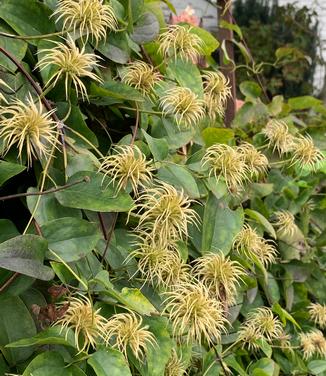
305	153
91	18
165	212
285	223
184	105
179	41
317	313
220	275
260	324
216	92
175	366
127	164
28	126
249	244
141	76
277	133
2	97
85	321
160	264
194	313
127	331
226	161
313	343
72	64
257	163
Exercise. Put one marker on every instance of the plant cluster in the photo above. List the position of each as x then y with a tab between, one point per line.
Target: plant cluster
138	235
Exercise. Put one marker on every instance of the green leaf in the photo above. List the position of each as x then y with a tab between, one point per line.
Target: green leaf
179	177
48	208
116	90
25	254
115	48
15	323
71	238
232	362
7	230
49	363
262	220
316	367
109	362
220	226
8	170
155	365
250	89
230	26
158	146
15	47
284	315
210	42
146	29
213	136
271	289
49	336
96	194
27	17
264	367
186	74
303	103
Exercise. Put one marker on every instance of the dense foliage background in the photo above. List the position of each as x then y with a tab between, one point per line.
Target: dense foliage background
138	235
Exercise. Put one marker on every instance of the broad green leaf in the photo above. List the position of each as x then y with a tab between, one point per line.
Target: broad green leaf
49	363
158	146
284	315
155	365
15	47
27	17
303	103
253	214
232	363
213	136
49	208
271	289
116	90
220	226
25	254
230	26
7	230
8	170
317	367
96	194
49	336
71	238
15	323
115	48
179	177
250	89
264	367
210	42
109	362
146	29
186	74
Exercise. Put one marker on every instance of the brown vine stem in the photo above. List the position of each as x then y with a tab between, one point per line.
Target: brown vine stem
9	281
52	190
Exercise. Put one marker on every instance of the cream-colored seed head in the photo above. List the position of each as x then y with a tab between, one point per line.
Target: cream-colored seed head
313	343
71	64
249	244
183	105
179	41
220	275
126	331
175	366
86	322
141	76
29	127
165	212
257	162
194	313
227	162
285	223
127	164
317	313
279	138
90	18
305	153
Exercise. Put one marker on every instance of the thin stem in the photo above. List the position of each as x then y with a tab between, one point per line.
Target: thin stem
9	281
144	111
52	190
134	135
28	37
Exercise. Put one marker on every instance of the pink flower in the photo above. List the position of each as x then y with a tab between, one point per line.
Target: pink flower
188	16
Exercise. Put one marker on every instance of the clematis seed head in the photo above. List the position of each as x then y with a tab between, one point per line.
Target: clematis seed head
279	138
313	343
317	313
285	223
305	153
